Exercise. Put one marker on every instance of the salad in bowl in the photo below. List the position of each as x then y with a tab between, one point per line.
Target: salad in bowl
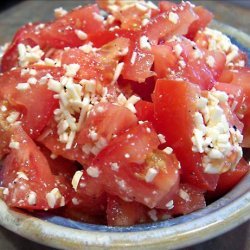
122	113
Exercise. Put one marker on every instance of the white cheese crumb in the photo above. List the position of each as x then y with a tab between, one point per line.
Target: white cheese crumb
168	150
6	191
153	215
60	12
76	179
117	73
93	172
178	49
127	155
184	195
114	166
52	197
170	205
13	117
173	17
3	108
144	43
14	145
22	86
86	48
81	34
71	69
22	175
210	61
32	198
98	17
151	174
162	138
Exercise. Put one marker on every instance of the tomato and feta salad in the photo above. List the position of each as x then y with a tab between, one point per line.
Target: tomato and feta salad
122	112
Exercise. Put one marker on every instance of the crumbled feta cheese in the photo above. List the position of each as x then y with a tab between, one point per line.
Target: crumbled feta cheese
13	116
114	166
218	41
71	69
76	179
127	155
14	145
117	73
210	61
184	195
162	138
81	34
29	55
32	198
168	150
173	17
60	12
212	134
98	17
153	215
93	172
170	205
151	174
53	196
178	49
144	43
22	86
22	175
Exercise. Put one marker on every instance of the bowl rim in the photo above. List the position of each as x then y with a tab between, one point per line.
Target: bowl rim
226	213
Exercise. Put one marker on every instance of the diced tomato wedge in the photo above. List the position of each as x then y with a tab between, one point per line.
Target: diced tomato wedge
62	32
49	138
230	179
188	199
174	104
128	159
36	104
240	78
10	57
27	177
97	65
163	26
169	62
166	6
122	213
204	18
103	121
145	111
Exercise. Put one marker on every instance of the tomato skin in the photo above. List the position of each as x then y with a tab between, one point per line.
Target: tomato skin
30	161
105	123
134	152
145	111
23	35
195	200
34	116
161	26
204	18
122	213
174	104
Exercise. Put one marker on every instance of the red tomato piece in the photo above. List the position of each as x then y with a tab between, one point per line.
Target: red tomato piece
103	121
166	6
62	32
10	57
27	176
188	199
34	115
163	26
97	65
204	18
240	78
122	213
128	159
174	104
145	111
